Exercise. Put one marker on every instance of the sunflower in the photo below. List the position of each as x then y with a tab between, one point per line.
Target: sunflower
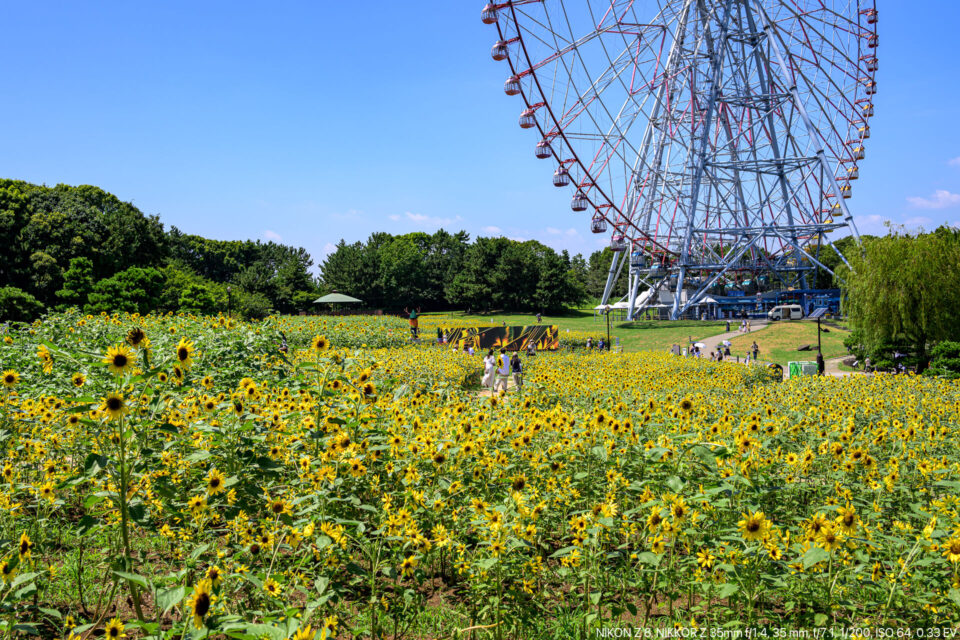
214	575
119	359
329	629
78	379
686	405
135	337
200	601
197	504
754	526
951	550
114	630
829	537
320	343
409	563
847	520
272	587
215	482
46	491
304	633
279	507
114	406
25	546
10	378
185	351
705	559
8	569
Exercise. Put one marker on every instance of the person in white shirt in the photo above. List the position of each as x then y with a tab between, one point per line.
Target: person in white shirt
489	364
503	373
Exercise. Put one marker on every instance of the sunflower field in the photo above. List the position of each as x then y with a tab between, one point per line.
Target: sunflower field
179	476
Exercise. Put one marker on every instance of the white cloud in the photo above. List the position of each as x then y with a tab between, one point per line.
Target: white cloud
941	199
875	219
554	231
572	232
328	249
272	235
917	221
394	217
954	162
424	221
492	230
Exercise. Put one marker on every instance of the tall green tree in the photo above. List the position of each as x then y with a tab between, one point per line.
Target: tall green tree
77	283
905	289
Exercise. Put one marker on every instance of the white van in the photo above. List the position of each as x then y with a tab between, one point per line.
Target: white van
786	312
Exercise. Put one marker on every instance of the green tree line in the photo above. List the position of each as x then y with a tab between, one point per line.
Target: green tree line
445	270
82	247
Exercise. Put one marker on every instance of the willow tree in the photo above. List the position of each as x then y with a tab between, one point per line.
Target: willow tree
905	289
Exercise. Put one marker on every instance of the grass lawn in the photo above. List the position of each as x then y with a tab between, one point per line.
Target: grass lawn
778	342
634	336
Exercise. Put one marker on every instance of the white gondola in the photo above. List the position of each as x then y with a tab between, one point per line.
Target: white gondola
579	201
543	150
500	51
561	177
512	86
618	243
598	225
528	119
489	14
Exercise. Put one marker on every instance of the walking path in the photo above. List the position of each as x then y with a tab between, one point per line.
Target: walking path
831	365
714	341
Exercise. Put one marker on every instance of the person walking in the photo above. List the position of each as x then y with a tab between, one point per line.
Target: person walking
489	364
516	367
539	318
755	349
728	326
589	343
503	373
414	322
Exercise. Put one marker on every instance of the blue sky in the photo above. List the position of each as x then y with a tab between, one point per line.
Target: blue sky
308	122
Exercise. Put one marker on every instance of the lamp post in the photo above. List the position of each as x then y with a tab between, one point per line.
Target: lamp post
229	289
606	312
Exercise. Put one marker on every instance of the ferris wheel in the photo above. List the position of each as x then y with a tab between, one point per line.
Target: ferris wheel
716	141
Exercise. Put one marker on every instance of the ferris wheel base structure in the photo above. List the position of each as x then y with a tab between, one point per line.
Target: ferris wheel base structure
716	141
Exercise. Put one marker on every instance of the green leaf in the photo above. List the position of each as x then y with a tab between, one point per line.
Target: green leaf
820	619
274	633
813	556
134	578
169	598
595	598
196	553
675	484
727	590
954	595
706	457
198	456
23	578
320	584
